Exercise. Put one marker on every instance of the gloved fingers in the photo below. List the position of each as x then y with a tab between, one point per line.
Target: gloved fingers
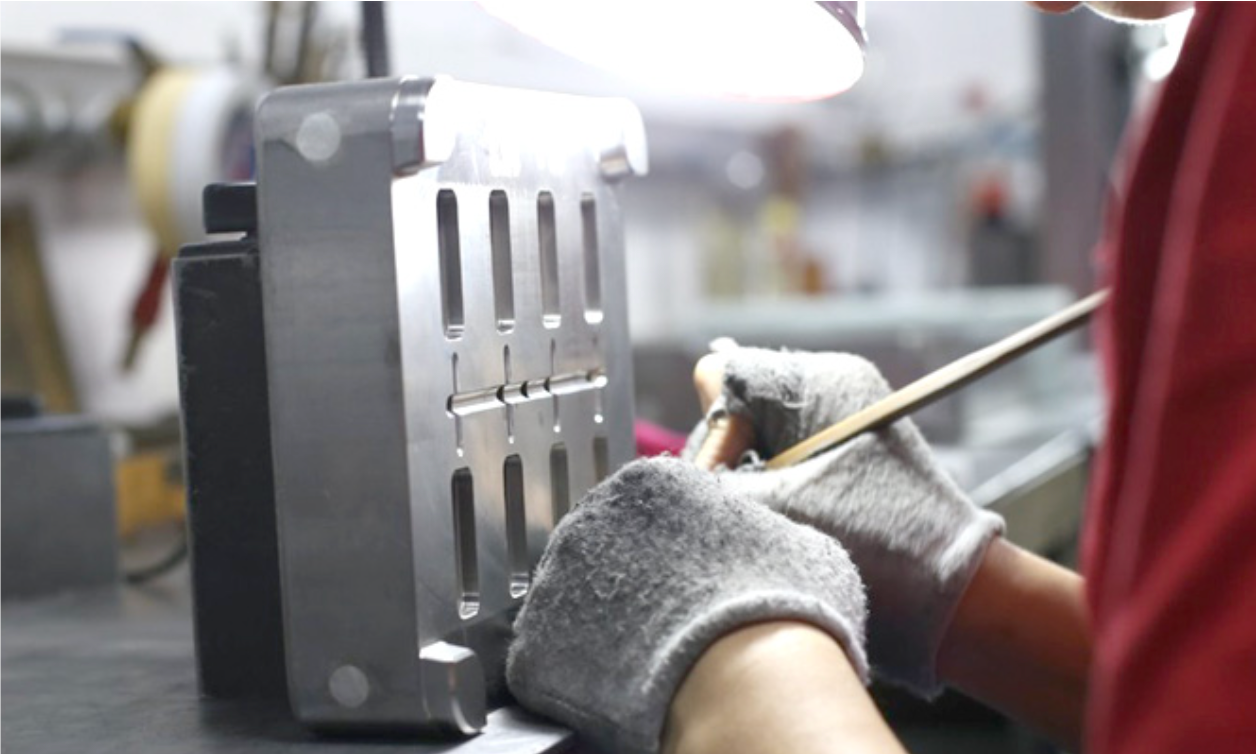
728	437
708	377
698	435
891	453
757	380
719	439
772	400
790	396
833	470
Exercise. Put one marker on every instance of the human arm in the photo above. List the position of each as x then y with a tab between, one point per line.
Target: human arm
779	686
1020	642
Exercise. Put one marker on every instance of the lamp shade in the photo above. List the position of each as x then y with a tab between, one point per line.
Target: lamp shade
774	50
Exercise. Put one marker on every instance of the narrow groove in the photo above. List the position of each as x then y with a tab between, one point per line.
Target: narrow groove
560	485
501	395
601	459
503	260
592	261
547	241
516	526
463	496
450	251
457	419
558	426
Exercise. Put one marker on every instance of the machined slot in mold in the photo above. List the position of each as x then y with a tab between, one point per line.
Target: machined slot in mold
468	572
453	364
450	251
501	396
592	261
547	243
516	526
503	260
601	459
558	426
560	483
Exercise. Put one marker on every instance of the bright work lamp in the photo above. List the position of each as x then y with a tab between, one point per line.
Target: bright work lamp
777	50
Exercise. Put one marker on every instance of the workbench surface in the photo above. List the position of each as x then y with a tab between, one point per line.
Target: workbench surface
113	670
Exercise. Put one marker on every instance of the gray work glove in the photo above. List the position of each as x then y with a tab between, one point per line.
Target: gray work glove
658	562
915	537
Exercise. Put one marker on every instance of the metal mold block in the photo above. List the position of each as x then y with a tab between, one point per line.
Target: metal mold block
449	371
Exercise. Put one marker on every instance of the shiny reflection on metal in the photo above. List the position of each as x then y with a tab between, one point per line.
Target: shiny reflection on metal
318	138
512	394
624	153
475	401
454	680
374	408
349	686
416	141
569	384
518	393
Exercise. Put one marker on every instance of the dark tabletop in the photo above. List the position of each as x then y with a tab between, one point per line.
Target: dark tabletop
112	670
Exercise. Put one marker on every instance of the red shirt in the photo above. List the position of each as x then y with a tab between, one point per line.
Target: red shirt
1170	542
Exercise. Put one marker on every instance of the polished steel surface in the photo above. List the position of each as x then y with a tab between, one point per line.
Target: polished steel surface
449	371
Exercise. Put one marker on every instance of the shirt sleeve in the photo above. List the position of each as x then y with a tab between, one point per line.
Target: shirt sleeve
1175	599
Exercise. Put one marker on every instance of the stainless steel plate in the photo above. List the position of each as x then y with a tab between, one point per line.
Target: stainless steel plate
449	371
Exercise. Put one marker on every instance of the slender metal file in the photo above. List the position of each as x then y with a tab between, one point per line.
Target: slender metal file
943	382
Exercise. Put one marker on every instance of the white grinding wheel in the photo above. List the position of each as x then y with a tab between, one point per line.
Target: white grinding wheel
189	128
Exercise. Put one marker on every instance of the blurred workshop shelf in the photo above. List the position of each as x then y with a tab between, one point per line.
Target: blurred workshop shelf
967	312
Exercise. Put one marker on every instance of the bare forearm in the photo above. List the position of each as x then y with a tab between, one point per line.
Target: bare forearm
1020	642
775	687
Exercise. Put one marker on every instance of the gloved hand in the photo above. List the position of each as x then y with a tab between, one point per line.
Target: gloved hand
658	562
915	537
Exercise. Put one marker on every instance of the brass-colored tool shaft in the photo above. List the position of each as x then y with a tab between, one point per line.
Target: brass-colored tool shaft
943	382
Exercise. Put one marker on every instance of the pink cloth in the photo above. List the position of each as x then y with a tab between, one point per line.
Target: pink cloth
653	440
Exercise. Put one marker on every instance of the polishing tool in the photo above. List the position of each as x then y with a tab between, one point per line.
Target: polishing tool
730	438
944	381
